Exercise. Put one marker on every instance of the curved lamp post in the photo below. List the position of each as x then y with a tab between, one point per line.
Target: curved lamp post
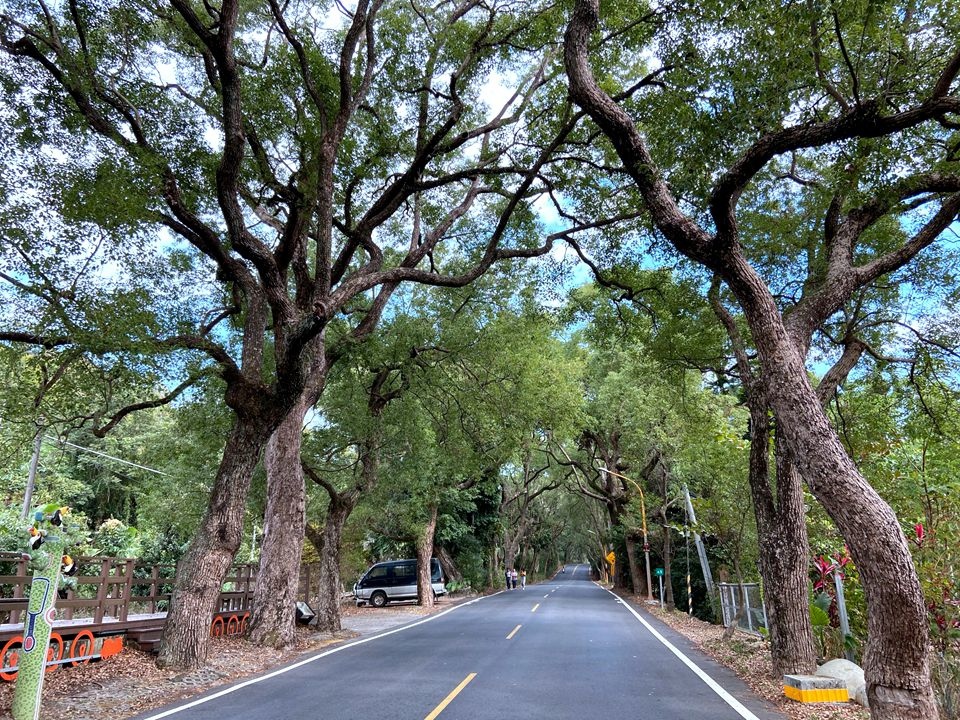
643	515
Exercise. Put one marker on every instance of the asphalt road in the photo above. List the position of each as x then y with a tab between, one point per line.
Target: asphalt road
564	649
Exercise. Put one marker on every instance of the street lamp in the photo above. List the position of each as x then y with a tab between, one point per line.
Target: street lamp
643	515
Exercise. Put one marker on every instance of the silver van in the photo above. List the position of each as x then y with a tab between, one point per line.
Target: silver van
395	580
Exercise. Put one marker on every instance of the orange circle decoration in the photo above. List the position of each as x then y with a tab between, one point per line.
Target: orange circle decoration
9	657
54	654
82	645
233	625
243	622
216	629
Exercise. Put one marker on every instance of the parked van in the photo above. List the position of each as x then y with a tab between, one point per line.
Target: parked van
395	580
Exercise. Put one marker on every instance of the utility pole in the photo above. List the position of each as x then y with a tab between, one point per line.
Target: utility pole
643	515
701	549
32	472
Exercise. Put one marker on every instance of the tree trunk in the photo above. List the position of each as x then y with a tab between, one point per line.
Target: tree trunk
511	549
328	600
272	618
896	658
450	570
897	655
639	582
424	553
785	563
782	536
201	571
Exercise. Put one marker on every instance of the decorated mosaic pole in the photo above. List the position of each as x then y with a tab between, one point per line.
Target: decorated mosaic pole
48	537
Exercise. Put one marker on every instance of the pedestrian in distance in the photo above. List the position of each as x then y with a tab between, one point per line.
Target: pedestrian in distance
507	574
523	579
513	578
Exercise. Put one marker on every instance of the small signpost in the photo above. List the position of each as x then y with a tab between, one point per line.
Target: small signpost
659	573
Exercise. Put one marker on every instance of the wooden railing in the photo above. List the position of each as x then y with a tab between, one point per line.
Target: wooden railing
118	588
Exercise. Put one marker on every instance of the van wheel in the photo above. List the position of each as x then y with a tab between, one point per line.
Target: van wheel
378	599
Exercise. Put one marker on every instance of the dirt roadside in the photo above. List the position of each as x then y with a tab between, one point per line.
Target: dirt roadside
749	658
131	683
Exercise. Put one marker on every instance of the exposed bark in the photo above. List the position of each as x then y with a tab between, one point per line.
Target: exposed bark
639	583
607	488
201	571
272	619
493	567
450	570
896	658
781	526
424	554
328	599
515	503
342	503
785	563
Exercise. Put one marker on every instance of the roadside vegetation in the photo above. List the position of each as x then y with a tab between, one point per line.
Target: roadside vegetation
496	283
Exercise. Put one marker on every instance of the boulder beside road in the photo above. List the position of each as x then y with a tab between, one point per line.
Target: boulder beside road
851	674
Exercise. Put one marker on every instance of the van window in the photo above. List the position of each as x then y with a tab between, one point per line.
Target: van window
377	572
405	573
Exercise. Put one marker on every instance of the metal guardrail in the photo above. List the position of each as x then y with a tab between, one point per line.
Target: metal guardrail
743	603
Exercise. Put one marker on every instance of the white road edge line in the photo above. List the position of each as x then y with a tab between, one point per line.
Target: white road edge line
307	661
711	683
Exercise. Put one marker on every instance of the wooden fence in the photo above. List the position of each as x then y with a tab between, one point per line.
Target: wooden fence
115	594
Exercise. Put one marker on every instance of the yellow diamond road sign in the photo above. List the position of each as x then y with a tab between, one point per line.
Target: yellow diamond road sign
611	557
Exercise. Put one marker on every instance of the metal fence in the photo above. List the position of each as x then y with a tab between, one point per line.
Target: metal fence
743	604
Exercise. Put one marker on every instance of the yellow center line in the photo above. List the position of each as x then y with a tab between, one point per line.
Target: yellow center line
449	698
514	632
535	607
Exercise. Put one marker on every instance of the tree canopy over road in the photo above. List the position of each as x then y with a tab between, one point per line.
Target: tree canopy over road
398	279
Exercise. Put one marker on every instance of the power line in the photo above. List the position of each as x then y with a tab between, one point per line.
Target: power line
58	443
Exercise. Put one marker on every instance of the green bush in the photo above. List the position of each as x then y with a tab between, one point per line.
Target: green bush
114	539
946	685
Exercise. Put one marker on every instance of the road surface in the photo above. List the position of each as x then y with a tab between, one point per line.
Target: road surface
563	649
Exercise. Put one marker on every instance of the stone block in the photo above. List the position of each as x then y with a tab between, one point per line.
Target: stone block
814	689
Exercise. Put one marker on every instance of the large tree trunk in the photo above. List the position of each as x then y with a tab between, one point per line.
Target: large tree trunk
328	601
511	548
450	570
424	553
493	567
781	528
639	582
272	618
202	569
896	658
782	534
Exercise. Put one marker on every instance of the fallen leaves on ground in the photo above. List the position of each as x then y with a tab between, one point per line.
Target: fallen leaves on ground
131	683
749	658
